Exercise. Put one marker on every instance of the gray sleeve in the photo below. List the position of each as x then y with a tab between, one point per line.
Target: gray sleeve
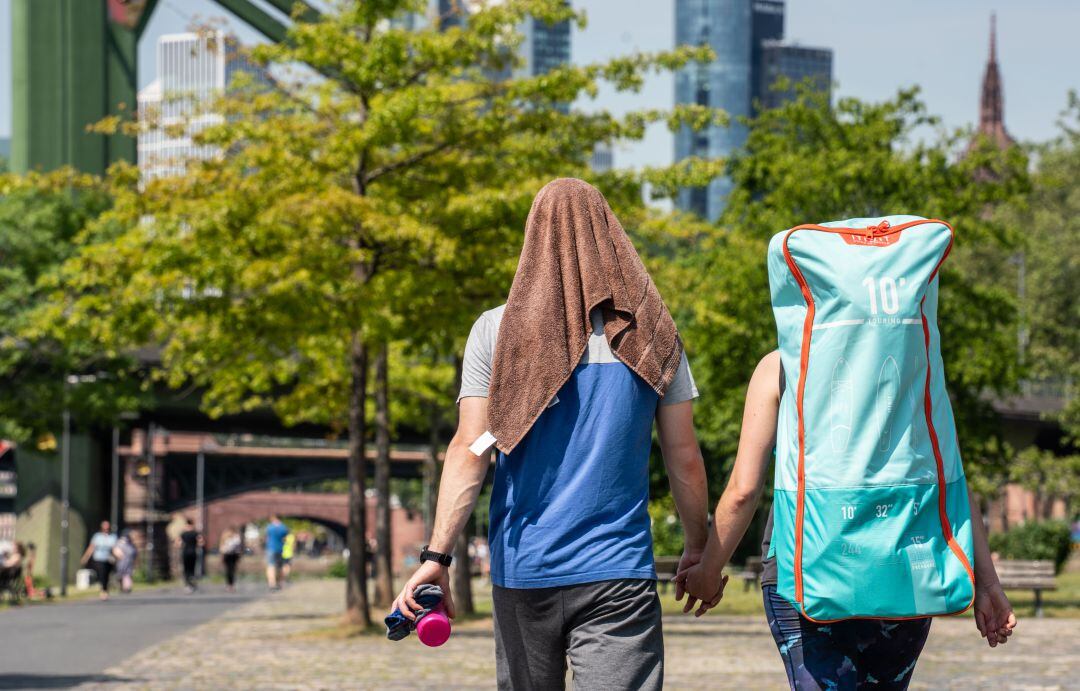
682	387
479	356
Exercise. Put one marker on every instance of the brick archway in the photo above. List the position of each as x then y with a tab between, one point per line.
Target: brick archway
332	510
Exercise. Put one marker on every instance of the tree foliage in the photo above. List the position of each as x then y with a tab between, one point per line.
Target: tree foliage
40	215
373	196
1050	224
809	162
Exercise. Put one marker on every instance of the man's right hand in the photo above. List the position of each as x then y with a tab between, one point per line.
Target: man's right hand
429	572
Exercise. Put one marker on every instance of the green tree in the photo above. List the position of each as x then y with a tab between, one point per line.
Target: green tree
809	162
1050	224
40	215
376	204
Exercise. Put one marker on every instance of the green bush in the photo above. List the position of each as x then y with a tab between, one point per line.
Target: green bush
1049	540
339	569
667	532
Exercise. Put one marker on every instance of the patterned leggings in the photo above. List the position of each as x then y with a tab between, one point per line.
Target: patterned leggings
872	653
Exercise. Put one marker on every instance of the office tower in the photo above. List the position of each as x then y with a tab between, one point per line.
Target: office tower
603	158
767	24
192	70
725	26
546	46
747	38
795	63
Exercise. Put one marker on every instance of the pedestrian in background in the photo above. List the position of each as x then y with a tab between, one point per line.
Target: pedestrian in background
99	557
231	547
189	542
288	550
125	553
275	544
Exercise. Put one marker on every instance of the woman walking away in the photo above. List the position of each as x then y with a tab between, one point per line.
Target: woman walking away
189	542
839	654
99	557
125	553
232	547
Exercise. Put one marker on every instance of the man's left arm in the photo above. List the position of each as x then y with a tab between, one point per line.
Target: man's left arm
686	476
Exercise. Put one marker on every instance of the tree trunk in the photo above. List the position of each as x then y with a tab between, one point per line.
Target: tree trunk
384	580
356	598
431	471
462	576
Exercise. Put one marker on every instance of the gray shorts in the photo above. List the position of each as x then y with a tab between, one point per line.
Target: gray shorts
610	631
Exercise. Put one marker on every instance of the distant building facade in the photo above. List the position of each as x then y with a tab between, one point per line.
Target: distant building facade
8	490
603	158
192	70
795	63
545	46
746	36
725	83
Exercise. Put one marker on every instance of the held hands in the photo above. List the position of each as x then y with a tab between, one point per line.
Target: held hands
429	572
700	583
993	614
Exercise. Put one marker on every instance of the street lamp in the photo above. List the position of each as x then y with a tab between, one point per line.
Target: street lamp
65	473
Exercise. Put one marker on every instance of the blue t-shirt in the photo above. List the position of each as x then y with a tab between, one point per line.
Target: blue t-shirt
570	504
275	537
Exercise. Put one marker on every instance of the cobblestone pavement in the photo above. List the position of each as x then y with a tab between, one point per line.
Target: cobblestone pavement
288	641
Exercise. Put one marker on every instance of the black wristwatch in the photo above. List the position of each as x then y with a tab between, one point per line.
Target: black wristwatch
427	555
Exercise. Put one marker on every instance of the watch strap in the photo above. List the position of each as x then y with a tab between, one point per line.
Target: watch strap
429	555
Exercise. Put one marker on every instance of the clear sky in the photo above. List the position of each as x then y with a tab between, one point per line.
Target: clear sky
879	47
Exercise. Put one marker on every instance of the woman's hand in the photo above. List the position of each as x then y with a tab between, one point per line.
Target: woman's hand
993	614
702	583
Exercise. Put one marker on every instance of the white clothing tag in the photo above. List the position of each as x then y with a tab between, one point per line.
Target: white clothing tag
484	442
554	402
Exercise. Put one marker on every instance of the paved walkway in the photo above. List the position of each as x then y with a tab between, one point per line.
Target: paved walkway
66	643
288	641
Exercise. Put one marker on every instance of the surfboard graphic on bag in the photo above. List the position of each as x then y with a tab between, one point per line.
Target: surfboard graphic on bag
870	510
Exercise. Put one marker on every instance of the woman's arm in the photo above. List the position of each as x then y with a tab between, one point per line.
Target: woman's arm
87	553
993	613
736	507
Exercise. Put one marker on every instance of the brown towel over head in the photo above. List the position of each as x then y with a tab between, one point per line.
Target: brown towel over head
576	257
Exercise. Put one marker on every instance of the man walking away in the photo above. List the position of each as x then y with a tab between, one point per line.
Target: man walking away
275	544
566	380
190	541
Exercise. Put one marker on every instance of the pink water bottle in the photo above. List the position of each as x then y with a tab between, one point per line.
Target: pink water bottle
433	629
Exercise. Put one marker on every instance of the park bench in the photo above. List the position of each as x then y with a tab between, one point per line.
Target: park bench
666	568
1036	576
751	572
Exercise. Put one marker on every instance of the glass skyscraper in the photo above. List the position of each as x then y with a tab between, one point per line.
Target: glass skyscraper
797	64
192	70
746	36
725	83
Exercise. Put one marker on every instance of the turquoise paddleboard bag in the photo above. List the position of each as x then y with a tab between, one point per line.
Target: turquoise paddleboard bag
870	512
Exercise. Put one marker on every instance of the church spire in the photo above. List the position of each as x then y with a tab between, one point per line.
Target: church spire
992	101
993	38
